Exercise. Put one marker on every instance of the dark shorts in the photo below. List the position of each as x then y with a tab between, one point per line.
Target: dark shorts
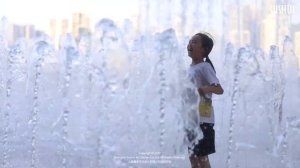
206	145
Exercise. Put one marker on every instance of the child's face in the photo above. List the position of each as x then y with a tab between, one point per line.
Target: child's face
194	48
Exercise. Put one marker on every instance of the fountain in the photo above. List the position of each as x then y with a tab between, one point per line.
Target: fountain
114	98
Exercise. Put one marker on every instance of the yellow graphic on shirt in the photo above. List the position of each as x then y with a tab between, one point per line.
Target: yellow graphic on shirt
205	108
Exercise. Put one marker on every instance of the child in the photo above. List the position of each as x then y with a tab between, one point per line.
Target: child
203	76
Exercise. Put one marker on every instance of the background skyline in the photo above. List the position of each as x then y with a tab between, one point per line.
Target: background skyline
257	23
39	12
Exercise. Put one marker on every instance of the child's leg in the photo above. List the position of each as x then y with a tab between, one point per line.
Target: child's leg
195	161
199	161
204	147
204	162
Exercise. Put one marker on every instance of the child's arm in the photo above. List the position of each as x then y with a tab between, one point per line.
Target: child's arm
216	89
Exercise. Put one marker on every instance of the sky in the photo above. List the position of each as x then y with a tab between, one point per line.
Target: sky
38	12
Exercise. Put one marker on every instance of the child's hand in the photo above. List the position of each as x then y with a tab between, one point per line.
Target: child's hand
216	89
200	91
203	90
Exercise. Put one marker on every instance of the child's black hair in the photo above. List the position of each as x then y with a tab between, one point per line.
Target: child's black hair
207	43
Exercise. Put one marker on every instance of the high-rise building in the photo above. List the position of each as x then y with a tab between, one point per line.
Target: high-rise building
276	25
239	33
53	28
65	27
19	31
268	32
80	23
10	33
297	49
16	32
29	31
58	28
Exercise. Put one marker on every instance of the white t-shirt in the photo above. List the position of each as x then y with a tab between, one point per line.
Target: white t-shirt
202	74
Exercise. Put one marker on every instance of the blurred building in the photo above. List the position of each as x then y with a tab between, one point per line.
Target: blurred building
53	30
260	24
268	33
297	44
21	31
58	28
239	28
276	23
77	25
80	24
